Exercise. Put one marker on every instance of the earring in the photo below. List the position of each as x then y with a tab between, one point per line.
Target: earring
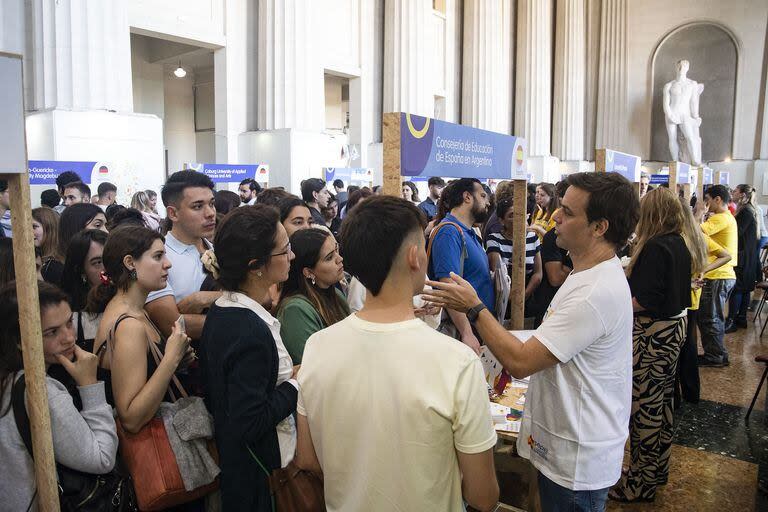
84	279
259	273
132	275
313	280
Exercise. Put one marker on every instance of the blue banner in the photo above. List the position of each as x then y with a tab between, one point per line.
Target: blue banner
45	172
683	172
624	164
659	179
429	147
725	178
227	173
360	176
709	176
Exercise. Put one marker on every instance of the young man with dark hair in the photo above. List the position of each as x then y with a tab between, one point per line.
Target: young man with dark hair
314	193
432	444
248	190
50	198
429	205
65	178
189	202
5	210
107	192
76	192
341	194
456	248
718	283
577	408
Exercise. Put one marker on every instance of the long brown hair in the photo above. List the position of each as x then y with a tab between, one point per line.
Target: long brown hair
306	245
748	202
660	214
554	202
49	220
694	239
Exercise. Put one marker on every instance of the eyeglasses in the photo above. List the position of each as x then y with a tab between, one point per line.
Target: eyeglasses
286	251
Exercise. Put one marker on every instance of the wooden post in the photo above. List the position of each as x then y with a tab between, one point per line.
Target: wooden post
517	262
700	184
392	181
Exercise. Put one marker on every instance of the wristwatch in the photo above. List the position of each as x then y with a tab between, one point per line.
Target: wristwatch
474	312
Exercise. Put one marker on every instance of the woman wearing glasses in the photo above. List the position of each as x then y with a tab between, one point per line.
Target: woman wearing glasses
310	300
250	378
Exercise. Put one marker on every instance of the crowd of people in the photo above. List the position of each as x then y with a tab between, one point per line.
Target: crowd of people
337	332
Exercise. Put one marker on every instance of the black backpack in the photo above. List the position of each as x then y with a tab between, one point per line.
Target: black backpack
79	491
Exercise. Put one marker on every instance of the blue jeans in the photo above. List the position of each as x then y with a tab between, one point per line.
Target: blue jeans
556	498
714	295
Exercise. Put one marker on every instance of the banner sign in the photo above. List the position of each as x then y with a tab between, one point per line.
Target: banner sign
659	179
624	164
45	172
709	176
230	173
725	178
360	176
430	147
683	172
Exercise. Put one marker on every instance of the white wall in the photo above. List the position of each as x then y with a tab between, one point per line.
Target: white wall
179	122
130	144
651	20
338	29
195	21
147	80
334	110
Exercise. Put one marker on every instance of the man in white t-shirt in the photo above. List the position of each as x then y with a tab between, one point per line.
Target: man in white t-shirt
394	414
577	409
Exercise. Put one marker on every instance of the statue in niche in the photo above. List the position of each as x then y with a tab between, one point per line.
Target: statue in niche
681	113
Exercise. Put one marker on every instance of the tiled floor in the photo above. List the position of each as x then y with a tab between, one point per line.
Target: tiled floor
718	459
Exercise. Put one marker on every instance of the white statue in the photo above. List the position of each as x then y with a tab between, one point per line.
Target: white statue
681	109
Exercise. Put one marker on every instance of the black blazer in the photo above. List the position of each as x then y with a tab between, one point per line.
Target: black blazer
239	364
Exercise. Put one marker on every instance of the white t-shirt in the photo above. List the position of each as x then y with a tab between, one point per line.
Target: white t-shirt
576	417
388	407
187	273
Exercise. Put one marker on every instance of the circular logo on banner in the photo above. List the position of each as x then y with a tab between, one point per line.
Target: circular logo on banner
519	155
417	133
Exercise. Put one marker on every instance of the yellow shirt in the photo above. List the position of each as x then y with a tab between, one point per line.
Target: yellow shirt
712	249
721	227
539	219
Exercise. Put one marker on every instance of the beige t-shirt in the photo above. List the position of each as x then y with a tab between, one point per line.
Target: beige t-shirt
388	406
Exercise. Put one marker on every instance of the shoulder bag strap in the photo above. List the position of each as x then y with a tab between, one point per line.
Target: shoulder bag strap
157	356
433	235
20	413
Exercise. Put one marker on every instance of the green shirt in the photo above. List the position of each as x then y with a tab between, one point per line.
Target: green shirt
299	320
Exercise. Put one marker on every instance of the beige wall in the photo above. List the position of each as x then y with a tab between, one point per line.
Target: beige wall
651	20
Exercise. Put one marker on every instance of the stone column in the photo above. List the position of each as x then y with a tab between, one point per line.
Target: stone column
533	92
80	55
611	127
290	79
570	76
407	57
486	77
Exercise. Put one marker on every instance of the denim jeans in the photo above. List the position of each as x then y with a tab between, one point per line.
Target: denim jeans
737	306
714	295
556	498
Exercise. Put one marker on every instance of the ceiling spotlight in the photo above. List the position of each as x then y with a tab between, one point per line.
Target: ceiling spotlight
180	72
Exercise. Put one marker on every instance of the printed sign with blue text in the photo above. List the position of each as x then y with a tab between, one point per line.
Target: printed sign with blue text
725	178
430	147
360	176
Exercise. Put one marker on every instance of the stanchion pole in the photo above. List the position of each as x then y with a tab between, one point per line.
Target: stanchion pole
517	270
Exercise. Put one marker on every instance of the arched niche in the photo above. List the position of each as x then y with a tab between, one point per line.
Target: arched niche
713	55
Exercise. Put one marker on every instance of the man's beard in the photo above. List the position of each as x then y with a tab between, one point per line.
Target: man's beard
479	213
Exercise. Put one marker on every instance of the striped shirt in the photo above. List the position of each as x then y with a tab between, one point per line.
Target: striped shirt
496	242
